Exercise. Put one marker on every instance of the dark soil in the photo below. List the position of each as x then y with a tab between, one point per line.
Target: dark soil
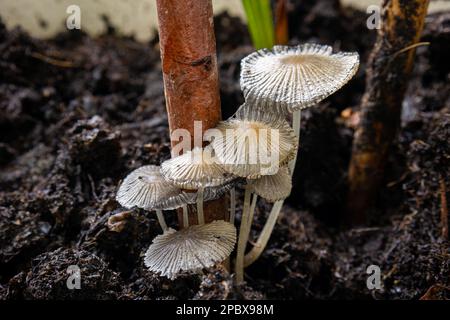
77	114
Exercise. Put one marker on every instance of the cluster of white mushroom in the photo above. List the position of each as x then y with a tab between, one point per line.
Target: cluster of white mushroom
275	83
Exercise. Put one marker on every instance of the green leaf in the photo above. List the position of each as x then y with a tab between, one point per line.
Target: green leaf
260	22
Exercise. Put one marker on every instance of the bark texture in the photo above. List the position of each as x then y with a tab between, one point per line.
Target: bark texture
389	67
189	66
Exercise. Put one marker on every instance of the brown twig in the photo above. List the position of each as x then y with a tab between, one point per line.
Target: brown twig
433	292
410	47
189	66
388	72
52	61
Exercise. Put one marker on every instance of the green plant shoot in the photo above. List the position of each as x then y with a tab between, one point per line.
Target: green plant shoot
260	22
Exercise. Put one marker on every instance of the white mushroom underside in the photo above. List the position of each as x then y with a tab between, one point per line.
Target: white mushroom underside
275	187
190	249
254	143
292	78
184	198
195	169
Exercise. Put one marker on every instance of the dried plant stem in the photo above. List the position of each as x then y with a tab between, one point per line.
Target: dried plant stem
388	71
243	235
232	205
185	217
264	237
200	215
161	220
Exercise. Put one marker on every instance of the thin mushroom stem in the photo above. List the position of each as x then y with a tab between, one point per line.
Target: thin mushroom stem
185	217
296	119
200	215
252	211
232	205
161	220
243	234
264	236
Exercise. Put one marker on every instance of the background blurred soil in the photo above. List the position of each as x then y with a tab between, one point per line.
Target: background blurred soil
77	114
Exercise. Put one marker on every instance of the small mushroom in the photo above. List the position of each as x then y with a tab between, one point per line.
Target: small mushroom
197	169
190	249
274	187
239	150
289	79
248	139
146	188
184	198
297	77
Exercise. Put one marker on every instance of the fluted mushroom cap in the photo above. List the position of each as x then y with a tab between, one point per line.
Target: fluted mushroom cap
190	249
145	188
275	187
295	77
183	198
212	193
174	202
195	169
246	147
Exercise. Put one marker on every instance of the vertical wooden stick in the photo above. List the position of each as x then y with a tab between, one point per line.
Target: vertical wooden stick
189	66
387	76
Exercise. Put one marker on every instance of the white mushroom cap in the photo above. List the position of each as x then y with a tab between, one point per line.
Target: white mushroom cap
184	198
247	148
293	78
195	169
212	193
275	187
145	188
174	202
190	249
